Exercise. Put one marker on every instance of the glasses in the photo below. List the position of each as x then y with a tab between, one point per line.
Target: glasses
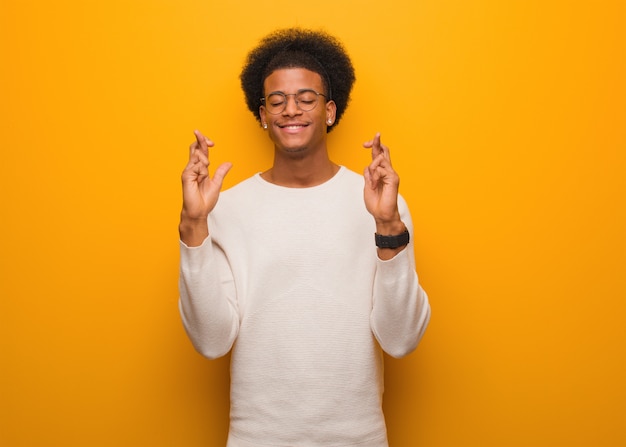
306	100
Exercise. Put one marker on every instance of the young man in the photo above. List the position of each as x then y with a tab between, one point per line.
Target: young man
305	270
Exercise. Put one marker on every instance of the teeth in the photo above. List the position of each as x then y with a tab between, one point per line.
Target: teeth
292	127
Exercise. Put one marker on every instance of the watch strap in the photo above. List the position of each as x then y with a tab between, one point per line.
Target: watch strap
394	241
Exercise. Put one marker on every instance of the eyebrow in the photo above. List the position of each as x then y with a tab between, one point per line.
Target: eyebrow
297	91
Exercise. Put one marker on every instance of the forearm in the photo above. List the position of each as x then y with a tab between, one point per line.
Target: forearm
207	299
401	310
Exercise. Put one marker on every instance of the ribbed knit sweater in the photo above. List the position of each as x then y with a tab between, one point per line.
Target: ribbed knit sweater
289	278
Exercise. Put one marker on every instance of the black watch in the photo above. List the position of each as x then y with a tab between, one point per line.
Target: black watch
396	241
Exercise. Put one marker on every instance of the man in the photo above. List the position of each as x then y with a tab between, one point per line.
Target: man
286	270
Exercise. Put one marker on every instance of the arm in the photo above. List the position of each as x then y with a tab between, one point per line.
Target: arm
207	304
207	299
401	310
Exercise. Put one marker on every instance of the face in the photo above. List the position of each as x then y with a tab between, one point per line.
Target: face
294	131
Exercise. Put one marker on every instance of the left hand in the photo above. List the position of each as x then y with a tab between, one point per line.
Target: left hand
381	188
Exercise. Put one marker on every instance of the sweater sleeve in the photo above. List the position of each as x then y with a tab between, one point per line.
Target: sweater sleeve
208	305
401	310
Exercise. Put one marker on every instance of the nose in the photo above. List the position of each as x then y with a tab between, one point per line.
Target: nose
291	108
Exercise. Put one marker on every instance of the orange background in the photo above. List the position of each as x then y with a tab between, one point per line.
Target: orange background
507	122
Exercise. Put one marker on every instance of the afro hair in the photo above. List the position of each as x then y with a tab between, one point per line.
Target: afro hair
316	51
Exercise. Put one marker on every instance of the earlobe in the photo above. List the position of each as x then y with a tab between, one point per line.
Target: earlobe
262	117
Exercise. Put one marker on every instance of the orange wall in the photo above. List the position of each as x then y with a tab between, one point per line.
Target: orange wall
507	122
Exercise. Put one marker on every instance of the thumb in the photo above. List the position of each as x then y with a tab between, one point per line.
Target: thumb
220	173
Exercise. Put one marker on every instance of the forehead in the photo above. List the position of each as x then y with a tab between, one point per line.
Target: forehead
292	80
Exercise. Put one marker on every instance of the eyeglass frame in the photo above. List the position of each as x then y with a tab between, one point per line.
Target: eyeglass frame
285	95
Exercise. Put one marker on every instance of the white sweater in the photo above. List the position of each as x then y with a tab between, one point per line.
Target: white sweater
289	278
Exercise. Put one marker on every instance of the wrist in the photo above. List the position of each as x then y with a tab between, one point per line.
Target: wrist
193	231
390	228
391	237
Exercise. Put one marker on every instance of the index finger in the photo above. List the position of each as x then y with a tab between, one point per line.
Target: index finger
375	145
202	142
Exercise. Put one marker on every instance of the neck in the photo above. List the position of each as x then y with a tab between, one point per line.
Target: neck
300	172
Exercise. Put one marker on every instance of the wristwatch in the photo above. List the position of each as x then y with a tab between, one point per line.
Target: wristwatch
396	241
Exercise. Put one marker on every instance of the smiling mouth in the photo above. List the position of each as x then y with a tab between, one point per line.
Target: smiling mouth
292	126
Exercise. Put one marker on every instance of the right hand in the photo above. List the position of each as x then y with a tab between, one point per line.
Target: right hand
200	191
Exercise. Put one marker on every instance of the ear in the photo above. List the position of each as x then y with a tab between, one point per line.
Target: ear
331	112
262	115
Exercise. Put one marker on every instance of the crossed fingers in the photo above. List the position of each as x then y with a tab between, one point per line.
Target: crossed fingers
380	168
199	156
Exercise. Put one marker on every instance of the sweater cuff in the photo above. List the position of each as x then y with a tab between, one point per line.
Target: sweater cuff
401	260
194	257
401	254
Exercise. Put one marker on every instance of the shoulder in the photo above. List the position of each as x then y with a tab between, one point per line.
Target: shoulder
243	190
347	180
235	199
349	175
244	185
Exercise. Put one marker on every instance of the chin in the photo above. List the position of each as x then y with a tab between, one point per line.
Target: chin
296	152
293	148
